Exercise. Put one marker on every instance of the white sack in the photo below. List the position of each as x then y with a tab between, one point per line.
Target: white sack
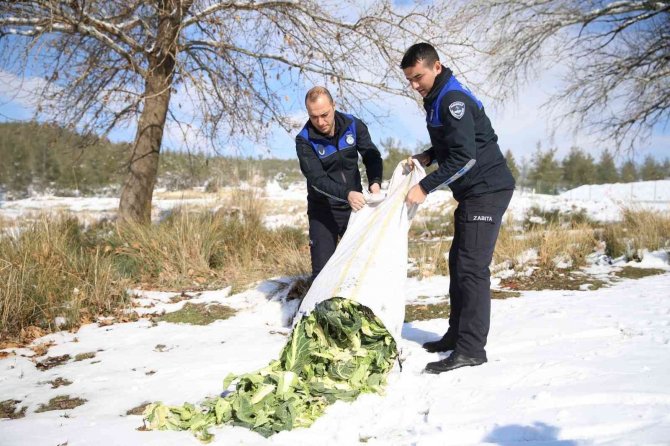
369	265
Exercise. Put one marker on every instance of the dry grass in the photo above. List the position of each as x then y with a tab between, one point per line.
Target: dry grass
52	361
48	271
61	402
138	410
187	194
553	244
537	218
430	258
9	409
177	252
84	356
434	222
424	312
511	247
209	250
639	229
6	223
54	274
553	280
570	247
629	272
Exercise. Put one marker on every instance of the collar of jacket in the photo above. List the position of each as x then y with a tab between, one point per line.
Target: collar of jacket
440	80
341	124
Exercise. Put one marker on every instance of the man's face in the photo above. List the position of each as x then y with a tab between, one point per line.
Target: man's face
322	114
421	76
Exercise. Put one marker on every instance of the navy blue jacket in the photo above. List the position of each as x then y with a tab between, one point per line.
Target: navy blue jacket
331	164
464	143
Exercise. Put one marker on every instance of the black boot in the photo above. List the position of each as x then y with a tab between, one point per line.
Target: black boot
446	343
454	361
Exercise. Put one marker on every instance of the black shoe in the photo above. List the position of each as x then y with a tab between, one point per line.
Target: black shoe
454	361
447	343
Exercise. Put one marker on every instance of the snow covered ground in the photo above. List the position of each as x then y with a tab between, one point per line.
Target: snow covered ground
641	191
565	368
288	206
602	202
284	206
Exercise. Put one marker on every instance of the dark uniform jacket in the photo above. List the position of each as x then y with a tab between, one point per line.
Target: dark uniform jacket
464	144
331	164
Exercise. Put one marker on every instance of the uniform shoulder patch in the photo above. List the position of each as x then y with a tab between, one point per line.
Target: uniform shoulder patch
457	109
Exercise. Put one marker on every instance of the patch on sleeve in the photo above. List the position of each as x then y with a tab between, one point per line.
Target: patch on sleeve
457	109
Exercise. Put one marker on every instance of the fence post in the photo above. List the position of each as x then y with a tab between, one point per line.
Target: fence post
655	184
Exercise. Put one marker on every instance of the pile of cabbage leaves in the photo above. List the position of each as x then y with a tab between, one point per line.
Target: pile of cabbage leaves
340	350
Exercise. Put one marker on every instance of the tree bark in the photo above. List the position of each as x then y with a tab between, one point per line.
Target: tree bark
138	187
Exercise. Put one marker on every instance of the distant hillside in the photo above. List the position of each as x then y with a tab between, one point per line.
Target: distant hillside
41	158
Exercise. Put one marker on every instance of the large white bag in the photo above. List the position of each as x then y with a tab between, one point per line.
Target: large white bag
369	265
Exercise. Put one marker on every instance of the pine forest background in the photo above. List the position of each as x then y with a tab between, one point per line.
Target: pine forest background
46	159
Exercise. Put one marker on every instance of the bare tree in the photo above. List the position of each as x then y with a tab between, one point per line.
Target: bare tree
617	55
108	63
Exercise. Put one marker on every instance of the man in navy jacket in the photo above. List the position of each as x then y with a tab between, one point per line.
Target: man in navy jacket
465	147
328	147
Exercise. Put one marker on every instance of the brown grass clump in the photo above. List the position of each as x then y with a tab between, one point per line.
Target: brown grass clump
210	249
639	229
61	402
434	222
560	245
9	409
49	276
511	247
56	274
430	258
554	245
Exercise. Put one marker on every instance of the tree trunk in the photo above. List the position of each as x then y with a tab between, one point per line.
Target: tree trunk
138	187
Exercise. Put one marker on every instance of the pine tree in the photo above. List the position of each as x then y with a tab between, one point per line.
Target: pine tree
523	172
578	168
606	169
395	153
651	170
20	175
511	163
545	172
629	172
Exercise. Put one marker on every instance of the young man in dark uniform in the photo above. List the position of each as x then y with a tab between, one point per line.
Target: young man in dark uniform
328	148
470	162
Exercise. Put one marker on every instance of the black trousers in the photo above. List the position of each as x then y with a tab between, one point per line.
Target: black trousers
326	226
477	224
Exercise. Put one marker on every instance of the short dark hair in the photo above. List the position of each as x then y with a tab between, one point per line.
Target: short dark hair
419	51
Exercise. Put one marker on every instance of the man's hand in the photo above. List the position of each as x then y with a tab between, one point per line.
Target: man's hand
375	189
422	158
416	195
356	200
